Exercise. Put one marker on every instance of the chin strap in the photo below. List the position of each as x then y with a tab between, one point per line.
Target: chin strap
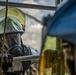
2	49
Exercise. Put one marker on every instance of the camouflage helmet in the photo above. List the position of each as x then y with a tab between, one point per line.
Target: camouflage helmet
12	26
15	22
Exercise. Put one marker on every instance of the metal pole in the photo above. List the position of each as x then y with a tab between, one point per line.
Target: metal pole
31	6
23	58
60	62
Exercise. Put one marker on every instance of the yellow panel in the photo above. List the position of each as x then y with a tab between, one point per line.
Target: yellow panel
47	55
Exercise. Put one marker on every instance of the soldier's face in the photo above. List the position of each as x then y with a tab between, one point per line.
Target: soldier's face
11	40
68	51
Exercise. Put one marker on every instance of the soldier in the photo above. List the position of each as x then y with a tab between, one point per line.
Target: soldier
68	50
14	47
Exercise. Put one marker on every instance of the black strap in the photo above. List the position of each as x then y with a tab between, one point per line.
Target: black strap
71	66
22	46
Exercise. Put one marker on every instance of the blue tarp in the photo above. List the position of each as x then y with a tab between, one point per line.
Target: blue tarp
63	24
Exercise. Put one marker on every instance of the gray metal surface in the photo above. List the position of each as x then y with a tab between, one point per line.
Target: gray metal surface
25	58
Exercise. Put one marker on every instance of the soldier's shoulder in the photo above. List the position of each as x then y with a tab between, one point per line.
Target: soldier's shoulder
33	50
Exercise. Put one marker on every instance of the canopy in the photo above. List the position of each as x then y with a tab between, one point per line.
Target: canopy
63	23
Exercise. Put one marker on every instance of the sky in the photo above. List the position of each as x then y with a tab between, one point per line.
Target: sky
32	35
35	12
37	2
